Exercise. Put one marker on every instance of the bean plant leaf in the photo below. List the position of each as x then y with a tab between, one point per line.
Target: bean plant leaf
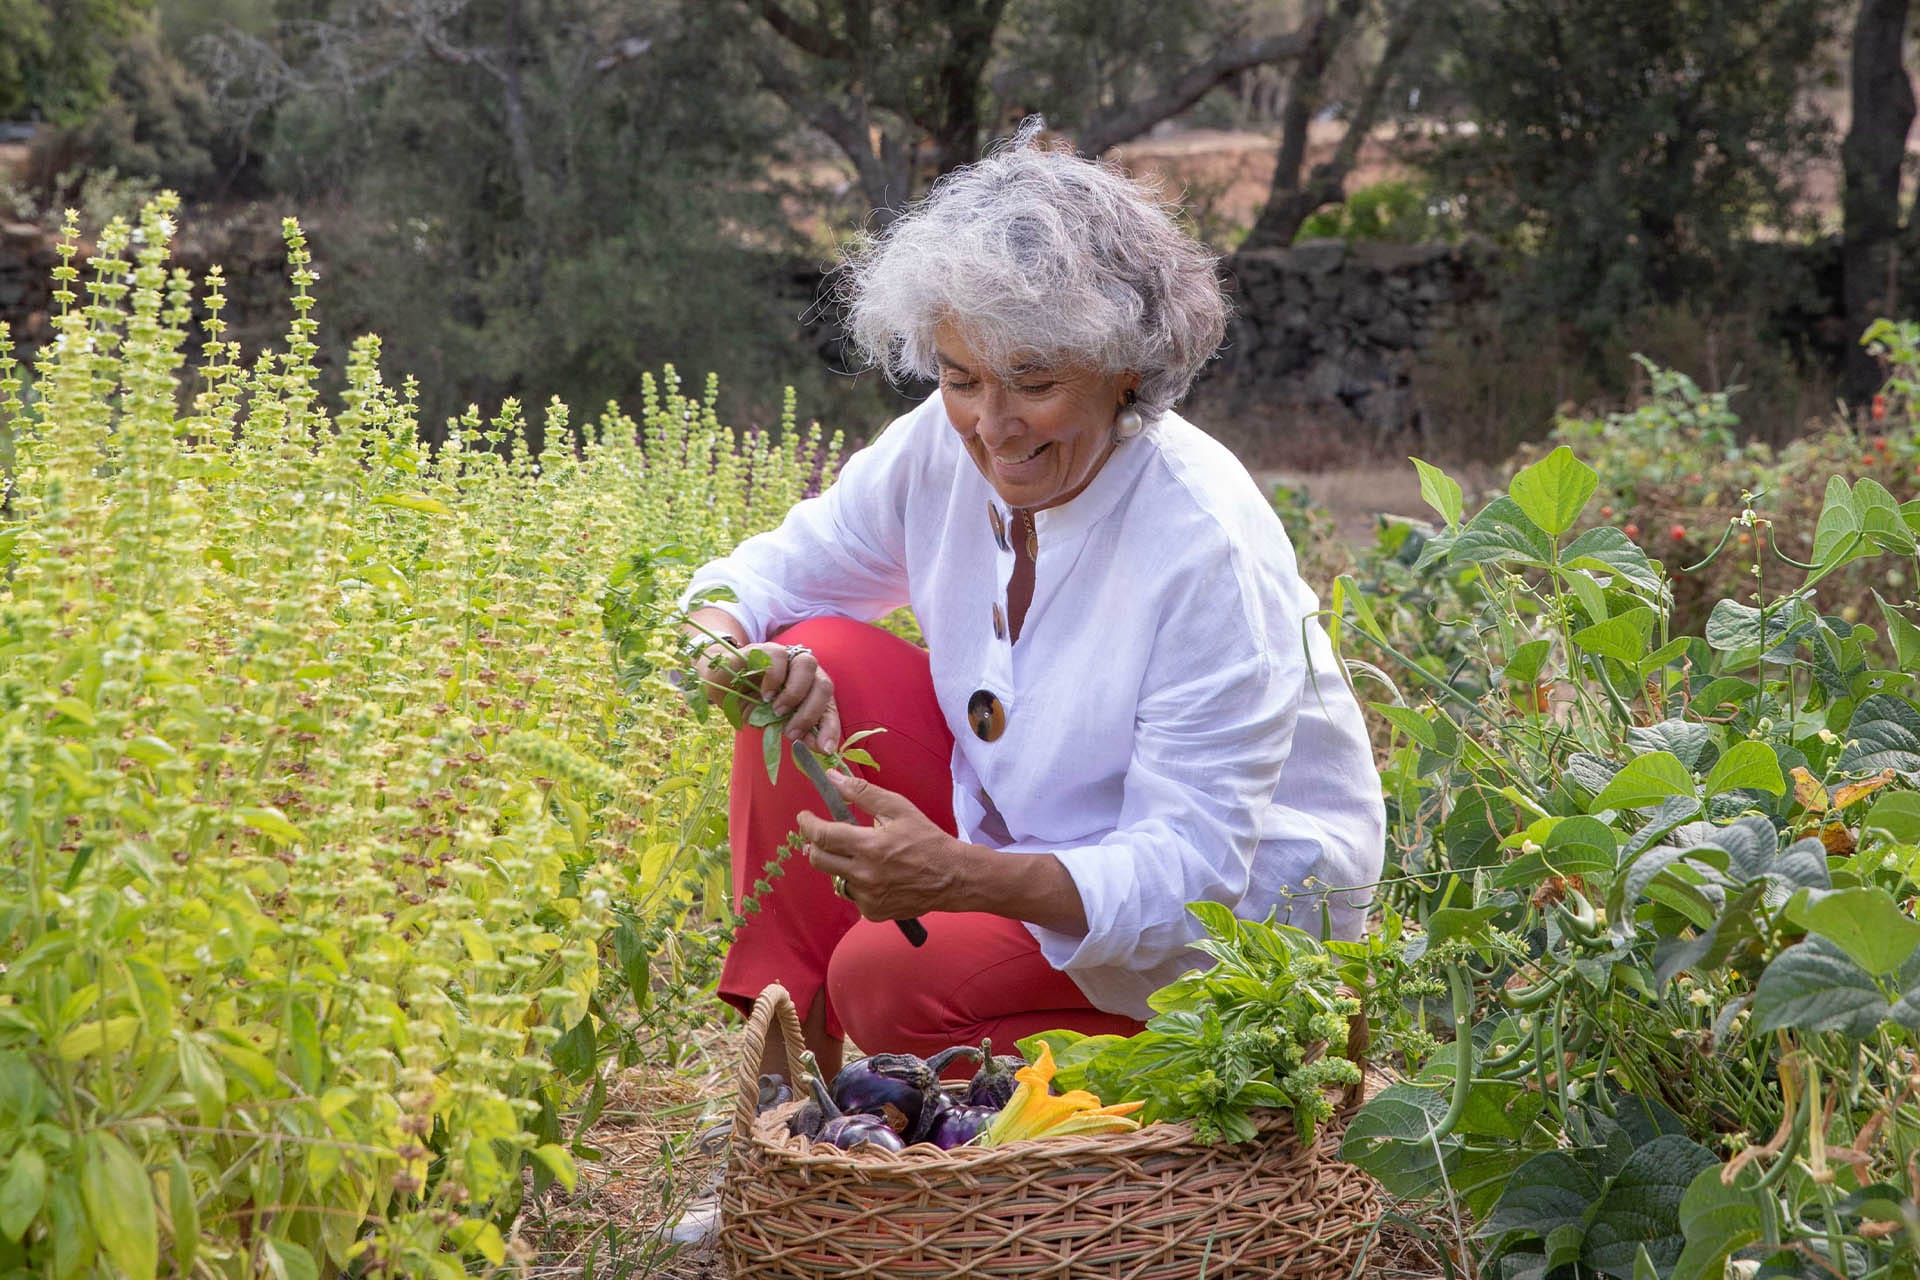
1639	880
1587	590
1390	1138
1622	637
1747	765
1688	741
1814	986
1441	492
1645	781
1576	846
1501	532
119	1200
1590	771
1750	845
1641	1207
1664	821
1461	924
1607	550
1898	815
1879	515
1865	923
1555	490
1904	636
1716	1220
1524	666
1801	865
1884	734
1733	626
1552	1190
1837	537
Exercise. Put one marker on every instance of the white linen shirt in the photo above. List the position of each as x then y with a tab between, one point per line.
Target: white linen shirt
1176	726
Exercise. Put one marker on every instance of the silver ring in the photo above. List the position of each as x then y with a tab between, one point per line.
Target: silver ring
840	887
795	650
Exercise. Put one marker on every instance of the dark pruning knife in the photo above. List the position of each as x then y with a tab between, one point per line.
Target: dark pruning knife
810	765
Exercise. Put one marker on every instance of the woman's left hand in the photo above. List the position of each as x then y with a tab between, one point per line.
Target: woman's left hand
903	865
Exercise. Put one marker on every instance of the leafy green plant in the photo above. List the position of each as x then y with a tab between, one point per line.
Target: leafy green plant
1394	211
335	858
1265	1027
1668	882
1675	475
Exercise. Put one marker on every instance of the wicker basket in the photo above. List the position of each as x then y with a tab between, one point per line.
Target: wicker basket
1149	1205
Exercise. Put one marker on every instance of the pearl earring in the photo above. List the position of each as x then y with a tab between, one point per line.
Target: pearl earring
1128	423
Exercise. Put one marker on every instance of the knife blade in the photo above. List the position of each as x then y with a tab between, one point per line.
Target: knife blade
915	932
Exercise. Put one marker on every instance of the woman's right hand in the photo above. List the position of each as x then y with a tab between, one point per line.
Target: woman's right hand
792	682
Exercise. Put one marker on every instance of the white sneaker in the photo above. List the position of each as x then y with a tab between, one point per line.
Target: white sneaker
698	1223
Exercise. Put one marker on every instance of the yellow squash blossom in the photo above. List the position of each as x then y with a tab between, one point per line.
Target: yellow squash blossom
1033	1112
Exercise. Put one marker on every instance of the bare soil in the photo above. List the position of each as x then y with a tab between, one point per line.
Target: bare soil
1223	177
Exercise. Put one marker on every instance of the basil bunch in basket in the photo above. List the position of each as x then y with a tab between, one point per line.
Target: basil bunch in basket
1265	1027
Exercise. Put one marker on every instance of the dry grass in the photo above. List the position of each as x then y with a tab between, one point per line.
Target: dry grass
646	1171
1355	495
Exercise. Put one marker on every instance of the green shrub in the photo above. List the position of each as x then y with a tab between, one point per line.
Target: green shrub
1394	211
1676	476
324	812
1666	877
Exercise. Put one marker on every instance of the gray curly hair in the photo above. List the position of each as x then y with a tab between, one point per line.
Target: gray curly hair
1039	256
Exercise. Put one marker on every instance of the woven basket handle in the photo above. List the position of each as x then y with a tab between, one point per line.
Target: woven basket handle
772	1005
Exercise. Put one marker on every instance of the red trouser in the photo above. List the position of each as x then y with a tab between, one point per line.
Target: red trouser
978	975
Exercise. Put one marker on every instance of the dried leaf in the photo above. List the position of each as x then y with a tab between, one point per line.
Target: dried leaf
1865	787
1838	839
1807	790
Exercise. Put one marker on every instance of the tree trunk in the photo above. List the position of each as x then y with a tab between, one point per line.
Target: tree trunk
955	122
1291	199
1876	144
1286	206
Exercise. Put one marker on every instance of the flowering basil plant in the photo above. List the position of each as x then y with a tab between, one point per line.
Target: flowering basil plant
335	859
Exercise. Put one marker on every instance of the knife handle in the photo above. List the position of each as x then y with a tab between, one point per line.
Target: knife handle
915	931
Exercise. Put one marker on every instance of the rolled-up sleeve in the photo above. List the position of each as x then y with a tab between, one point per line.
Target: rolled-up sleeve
1208	752
843	552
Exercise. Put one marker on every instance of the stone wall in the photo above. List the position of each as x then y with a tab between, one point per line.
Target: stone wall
1327	333
27	260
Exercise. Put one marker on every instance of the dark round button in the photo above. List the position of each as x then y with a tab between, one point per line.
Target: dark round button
999	624
986	715
999	526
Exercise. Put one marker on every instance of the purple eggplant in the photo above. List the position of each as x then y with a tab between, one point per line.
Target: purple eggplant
814	1113
896	1087
938	1062
958	1125
993	1084
774	1090
848	1132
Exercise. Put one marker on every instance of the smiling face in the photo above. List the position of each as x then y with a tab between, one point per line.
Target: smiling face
1037	435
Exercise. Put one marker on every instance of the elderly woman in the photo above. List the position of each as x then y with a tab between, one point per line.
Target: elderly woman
1125	703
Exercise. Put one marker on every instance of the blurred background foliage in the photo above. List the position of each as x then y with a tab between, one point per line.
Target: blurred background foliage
531	198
